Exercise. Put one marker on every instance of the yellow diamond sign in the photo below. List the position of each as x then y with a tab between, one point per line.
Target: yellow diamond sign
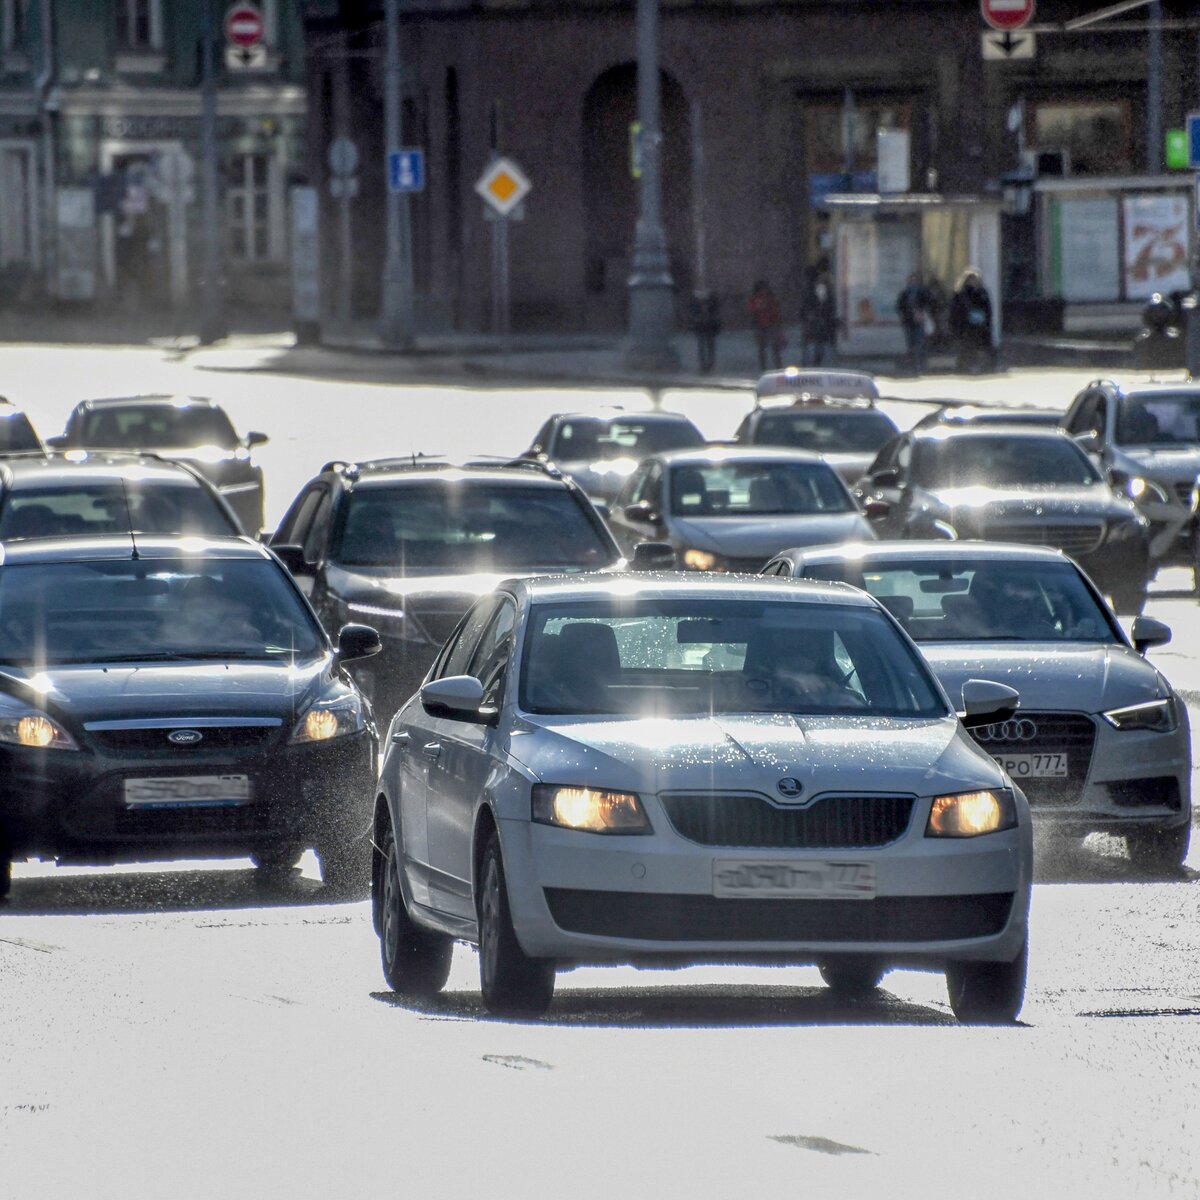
503	185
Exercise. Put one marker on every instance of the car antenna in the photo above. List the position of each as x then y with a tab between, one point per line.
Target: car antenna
129	520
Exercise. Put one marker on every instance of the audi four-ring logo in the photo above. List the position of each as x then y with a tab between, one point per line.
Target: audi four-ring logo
1023	730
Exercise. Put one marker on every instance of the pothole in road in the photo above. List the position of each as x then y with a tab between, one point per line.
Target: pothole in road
820	1144
517	1062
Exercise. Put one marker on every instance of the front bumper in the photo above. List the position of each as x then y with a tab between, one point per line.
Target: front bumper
577	897
70	805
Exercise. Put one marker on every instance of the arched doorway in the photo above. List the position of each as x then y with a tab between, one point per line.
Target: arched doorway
610	201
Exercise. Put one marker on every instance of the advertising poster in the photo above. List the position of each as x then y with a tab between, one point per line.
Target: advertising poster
874	260
1156	245
1085	249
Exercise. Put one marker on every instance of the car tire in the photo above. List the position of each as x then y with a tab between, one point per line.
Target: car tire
1159	851
513	984
346	868
987	993
415	962
273	864
5	875
850	978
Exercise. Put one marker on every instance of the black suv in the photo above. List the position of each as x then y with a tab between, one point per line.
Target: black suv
407	546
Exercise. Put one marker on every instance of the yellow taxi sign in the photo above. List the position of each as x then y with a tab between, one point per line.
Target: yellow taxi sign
503	185
833	385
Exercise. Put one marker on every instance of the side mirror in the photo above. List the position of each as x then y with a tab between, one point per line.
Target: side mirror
888	478
988	703
254	438
1147	633
357	641
457	697
653	556
642	511
292	557
58	442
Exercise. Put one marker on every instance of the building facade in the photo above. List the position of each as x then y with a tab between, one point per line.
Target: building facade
100	148
768	109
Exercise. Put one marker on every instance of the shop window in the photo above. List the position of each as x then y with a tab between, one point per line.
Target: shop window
827	126
1095	134
249	203
16	23
138	24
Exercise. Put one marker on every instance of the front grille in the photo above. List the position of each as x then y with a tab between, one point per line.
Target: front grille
1056	733
1071	537
1161	792
225	737
691	918
829	821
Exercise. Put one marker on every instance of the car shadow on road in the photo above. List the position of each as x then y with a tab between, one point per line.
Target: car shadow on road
1101	859
721	1006
161	891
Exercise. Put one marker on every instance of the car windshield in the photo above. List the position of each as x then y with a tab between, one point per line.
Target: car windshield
1159	419
109	508
980	600
756	489
154	427
827	431
144	610
592	439
690	656
1002	461
461	527
16	434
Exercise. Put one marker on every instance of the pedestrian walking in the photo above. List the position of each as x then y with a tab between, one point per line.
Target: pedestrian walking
820	320
916	319
971	323
766	318
704	319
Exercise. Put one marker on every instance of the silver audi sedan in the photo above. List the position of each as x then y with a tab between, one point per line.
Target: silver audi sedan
1101	740
674	769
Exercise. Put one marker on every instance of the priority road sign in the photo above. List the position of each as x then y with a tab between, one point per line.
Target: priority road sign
406	170
1007	14
503	185
244	25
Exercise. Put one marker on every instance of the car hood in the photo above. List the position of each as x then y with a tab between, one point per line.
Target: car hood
1173	464
601	479
1035	503
381	584
753	752
81	692
1076	676
746	537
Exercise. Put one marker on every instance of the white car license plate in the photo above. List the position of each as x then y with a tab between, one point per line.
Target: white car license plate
1034	766
182	791
758	880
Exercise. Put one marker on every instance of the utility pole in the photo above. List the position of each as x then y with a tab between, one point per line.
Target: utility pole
1154	89
212	316
651	295
397	325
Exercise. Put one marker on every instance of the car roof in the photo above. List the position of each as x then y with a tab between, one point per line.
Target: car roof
665	585
161	400
997	414
113	549
390	472
917	549
716	455
86	467
657	416
1145	387
941	433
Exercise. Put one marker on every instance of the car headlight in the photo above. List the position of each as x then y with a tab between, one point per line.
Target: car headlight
699	560
391	622
330	719
968	814
1155	716
35	730
1141	489
592	810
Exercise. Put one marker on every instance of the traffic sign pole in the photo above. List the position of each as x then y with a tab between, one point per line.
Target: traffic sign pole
212	318
398	316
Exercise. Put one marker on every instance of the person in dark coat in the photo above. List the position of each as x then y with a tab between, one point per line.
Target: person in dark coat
704	320
971	323
820	320
766	318
912	304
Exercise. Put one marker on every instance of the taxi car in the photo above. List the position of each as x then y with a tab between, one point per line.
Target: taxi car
682	769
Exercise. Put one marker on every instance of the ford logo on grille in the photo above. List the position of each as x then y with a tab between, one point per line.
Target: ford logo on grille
789	788
1023	730
185	737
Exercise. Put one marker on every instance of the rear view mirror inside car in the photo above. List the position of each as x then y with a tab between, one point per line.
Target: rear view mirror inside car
945	584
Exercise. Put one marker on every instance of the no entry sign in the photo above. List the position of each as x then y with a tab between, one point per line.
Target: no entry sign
1007	14
244	26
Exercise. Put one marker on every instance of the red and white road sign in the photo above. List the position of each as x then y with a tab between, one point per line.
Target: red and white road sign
244	26
1007	14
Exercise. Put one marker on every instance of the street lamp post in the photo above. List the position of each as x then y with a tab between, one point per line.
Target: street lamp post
651	295
212	318
397	325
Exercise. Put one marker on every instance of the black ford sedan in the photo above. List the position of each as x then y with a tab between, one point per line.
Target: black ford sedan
176	698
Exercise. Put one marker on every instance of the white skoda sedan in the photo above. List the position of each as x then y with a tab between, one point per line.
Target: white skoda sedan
679	769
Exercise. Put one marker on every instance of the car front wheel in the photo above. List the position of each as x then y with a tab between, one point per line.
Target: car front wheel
415	961
1159	851
513	984
852	979
987	993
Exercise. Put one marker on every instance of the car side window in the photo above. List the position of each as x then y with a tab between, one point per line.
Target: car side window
490	662
459	655
542	443
318	532
295	524
904	453
1100	423
651	489
885	458
1083	420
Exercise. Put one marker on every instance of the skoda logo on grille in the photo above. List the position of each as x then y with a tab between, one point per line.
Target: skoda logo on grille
1023	730
185	737
789	788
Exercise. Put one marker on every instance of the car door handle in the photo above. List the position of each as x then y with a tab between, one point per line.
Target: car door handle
432	750
402	739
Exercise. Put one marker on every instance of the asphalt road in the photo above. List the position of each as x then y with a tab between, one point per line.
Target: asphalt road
176	1032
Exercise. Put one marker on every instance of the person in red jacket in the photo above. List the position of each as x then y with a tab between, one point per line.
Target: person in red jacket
766	317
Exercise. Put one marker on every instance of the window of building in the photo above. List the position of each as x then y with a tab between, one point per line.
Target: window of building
16	23
138	24
830	125
1094	133
249	203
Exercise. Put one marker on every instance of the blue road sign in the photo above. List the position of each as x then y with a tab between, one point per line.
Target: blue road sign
1193	140
406	170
